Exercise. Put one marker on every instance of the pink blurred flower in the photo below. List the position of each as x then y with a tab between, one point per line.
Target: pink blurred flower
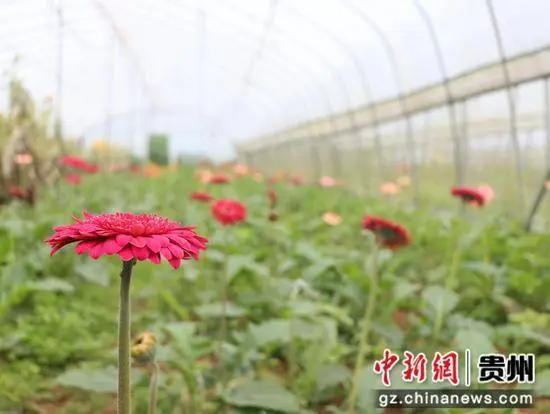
327	181
23	159
389	189
487	191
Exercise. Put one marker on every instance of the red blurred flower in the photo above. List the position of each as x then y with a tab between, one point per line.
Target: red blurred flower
219	178
228	212
273	180
91	168
19	193
201	196
77	163
296	180
73	179
272	196
469	195
134	169
130	236
388	234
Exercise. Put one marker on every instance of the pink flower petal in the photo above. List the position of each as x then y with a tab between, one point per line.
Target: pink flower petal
126	254
154	257
166	253
154	244
176	251
175	263
123	239
84	246
96	251
138	241
110	246
140	253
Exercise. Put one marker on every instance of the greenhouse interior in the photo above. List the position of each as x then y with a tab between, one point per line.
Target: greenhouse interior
299	207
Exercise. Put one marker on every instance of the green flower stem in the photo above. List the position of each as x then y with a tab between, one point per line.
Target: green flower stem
153	389
224	297
363	341
124	385
446	290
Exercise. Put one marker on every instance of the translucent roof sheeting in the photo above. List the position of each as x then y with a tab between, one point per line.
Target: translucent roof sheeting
214	72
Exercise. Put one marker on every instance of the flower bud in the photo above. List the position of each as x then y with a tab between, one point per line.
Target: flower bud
144	348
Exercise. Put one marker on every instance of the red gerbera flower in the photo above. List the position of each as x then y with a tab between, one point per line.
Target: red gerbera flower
201	196
19	193
73	179
219	179
272	196
228	212
130	236
296	180
91	168
469	195
388	234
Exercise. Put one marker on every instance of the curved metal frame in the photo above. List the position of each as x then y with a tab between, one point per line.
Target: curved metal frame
511	102
392	60
426	18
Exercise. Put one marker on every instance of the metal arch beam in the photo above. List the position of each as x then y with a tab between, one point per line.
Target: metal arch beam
306	48
311	74
510	99
267	105
440	58
524	68
275	63
365	84
324	95
396	74
104	12
247	77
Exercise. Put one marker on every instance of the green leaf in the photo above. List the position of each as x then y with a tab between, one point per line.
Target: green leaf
99	380
433	295
317	269
215	310
93	271
542	385
331	376
264	395
52	285
283	330
236	264
182	332
476	341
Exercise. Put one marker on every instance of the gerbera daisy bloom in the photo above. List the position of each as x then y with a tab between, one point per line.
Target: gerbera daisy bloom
73	179
201	196
18	193
332	219
469	195
219	178
327	181
388	233
389	189
296	180
240	170
23	159
78	163
130	236
272	196
487	191
229	212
